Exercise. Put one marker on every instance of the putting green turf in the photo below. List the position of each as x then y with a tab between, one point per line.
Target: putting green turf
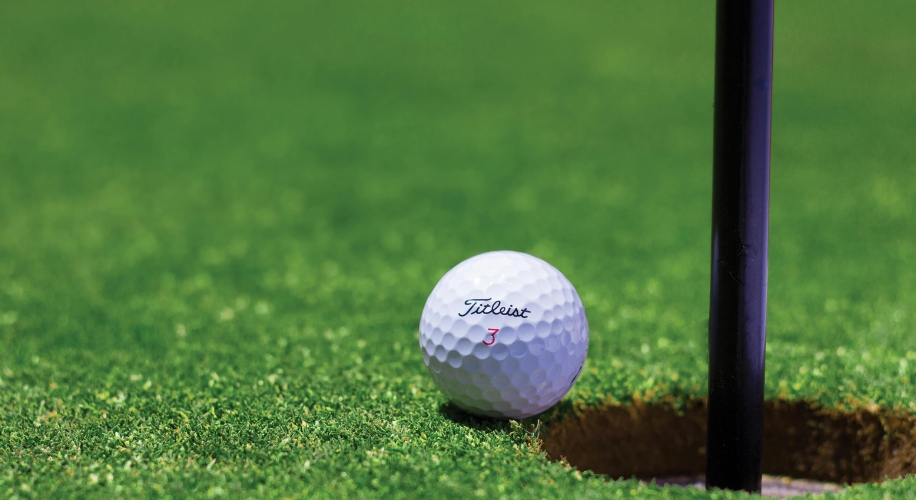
219	223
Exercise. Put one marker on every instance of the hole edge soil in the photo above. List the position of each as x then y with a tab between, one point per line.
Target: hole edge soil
801	440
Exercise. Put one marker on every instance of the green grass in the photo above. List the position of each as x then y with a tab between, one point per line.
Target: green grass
219	223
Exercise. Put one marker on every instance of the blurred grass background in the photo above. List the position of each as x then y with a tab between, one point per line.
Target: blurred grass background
195	198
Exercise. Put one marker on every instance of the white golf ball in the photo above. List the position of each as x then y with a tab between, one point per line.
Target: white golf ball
504	335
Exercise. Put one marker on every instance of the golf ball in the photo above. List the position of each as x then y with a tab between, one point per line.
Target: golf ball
504	334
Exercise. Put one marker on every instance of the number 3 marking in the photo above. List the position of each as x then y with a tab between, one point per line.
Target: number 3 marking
493	332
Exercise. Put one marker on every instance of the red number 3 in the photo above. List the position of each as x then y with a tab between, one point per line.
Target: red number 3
493	332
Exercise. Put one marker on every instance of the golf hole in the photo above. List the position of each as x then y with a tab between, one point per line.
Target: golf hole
817	449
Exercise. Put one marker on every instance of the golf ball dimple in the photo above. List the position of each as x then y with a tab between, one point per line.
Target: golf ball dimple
504	334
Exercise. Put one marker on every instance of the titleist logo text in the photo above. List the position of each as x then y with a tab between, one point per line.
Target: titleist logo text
484	306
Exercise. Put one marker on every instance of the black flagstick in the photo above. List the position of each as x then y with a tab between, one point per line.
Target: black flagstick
741	186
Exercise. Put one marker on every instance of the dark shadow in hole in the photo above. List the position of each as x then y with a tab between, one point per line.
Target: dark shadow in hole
801	440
